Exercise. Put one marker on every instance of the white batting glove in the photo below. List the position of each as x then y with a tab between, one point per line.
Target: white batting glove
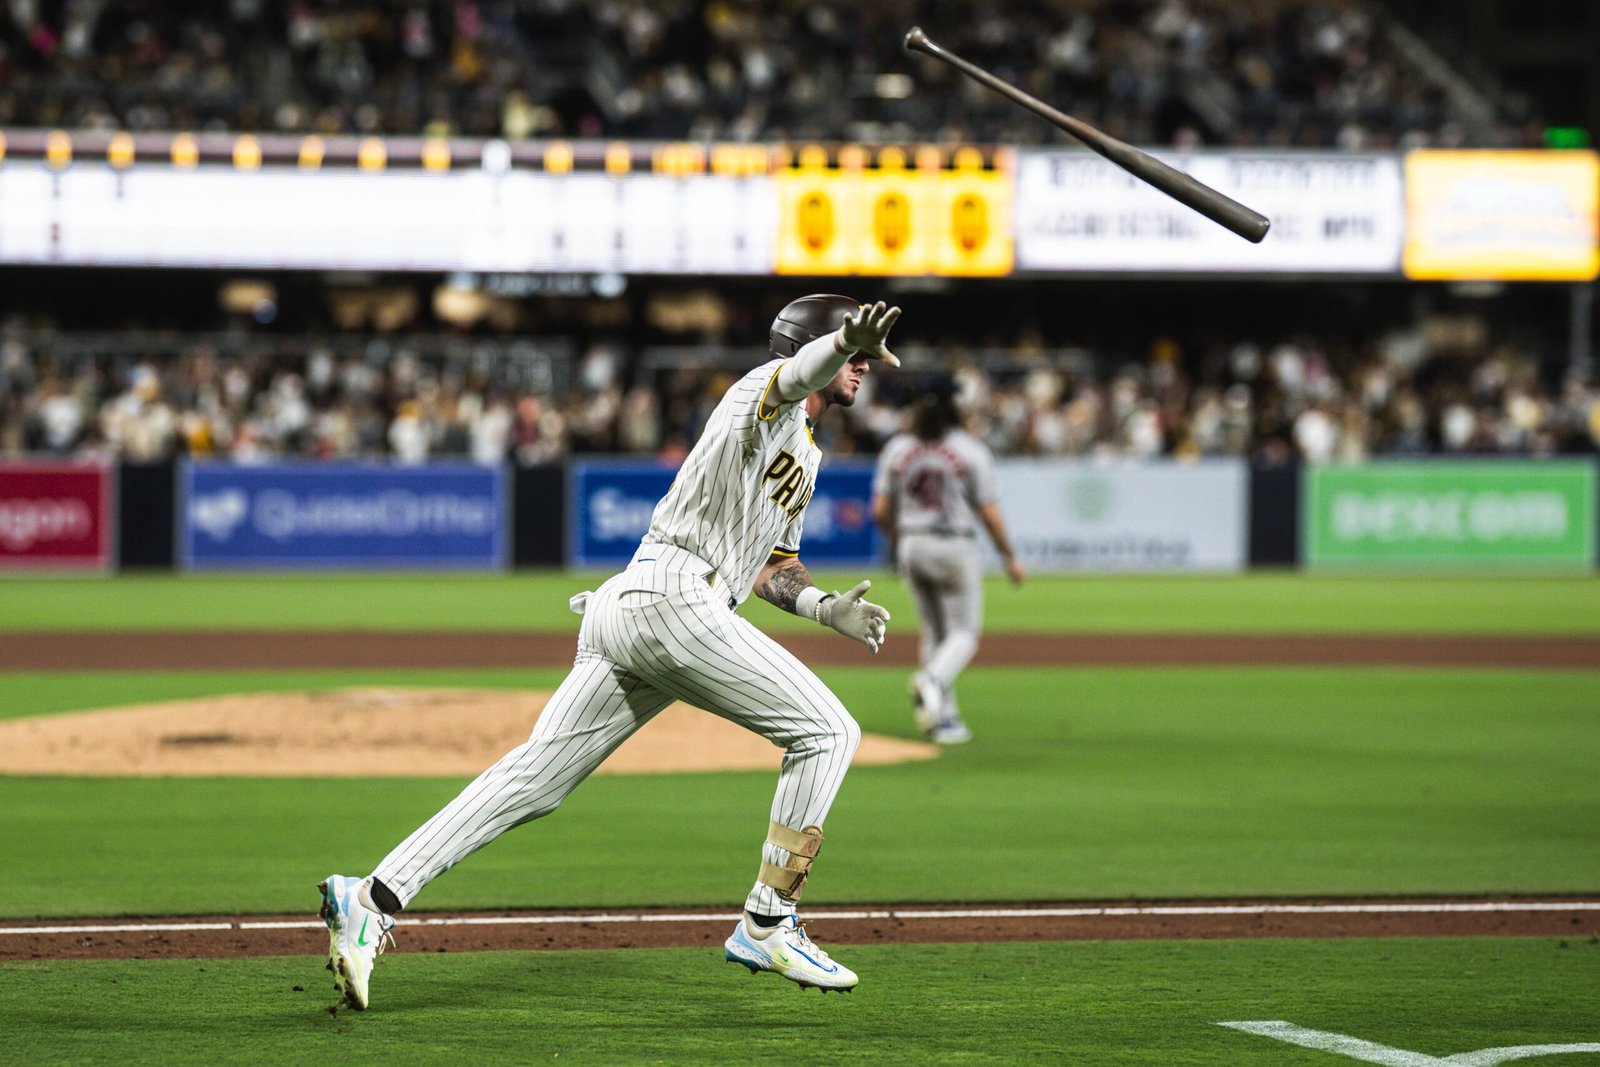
861	620
867	329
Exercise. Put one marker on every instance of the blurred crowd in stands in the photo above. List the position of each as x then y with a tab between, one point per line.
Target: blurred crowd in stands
1274	73
1308	73
1449	391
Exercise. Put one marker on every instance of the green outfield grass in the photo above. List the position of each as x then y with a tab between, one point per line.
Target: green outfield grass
1082	784
1253	603
1051	1002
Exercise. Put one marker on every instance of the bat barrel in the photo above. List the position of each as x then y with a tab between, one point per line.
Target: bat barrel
1223	210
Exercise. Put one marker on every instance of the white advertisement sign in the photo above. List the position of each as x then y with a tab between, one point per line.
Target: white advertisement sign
1330	213
1087	515
282	217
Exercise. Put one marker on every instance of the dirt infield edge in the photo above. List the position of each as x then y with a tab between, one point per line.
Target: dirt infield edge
265	649
231	936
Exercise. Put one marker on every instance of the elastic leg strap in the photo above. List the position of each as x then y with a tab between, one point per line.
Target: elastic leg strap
802	846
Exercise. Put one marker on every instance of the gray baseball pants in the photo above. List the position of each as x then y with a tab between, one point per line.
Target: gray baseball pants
946	582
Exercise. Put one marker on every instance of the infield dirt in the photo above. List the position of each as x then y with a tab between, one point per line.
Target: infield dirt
344	733
253	649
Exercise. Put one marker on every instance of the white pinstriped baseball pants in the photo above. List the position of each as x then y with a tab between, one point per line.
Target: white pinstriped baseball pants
655	633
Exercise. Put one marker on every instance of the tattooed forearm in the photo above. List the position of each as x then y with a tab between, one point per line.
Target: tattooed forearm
782	582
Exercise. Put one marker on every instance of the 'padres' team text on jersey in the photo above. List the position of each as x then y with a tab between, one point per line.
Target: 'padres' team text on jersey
935	486
741	493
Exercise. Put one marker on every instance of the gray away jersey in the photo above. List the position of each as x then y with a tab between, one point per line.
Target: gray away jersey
935	486
742	491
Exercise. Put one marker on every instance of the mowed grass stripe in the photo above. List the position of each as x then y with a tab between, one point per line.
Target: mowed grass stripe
1088	784
1048	1002
1265	602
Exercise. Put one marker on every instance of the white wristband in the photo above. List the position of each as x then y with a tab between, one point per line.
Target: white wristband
807	603
813	367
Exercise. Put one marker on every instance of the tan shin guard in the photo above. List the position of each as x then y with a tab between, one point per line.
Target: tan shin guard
802	846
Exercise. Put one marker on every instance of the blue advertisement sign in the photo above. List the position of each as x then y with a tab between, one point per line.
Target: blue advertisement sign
612	502
342	516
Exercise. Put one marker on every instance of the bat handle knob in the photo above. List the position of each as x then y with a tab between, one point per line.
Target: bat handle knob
916	40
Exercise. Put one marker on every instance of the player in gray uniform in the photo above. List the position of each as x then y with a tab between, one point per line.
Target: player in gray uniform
666	629
931	489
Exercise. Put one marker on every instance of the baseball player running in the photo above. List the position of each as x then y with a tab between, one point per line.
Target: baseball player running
666	629
930	486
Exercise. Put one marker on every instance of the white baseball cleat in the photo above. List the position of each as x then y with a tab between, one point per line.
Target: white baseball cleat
950	731
785	949
357	933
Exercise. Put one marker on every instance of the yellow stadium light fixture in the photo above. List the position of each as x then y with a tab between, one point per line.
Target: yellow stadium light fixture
247	153
727	160
619	158
185	151
738	160
119	151
58	149
372	155
558	157
436	154
679	159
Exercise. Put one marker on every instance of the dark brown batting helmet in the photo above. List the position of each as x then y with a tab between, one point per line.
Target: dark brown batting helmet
808	318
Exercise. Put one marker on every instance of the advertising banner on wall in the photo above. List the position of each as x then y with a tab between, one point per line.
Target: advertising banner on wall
1513	216
612	501
1451	513
54	516
1331	213
1085	515
318	516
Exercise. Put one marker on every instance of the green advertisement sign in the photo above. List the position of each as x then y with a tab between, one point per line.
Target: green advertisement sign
1458	513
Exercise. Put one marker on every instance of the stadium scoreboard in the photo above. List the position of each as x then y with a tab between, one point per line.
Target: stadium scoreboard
417	204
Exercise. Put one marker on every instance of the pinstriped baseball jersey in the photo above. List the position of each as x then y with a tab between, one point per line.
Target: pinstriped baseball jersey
662	629
741	493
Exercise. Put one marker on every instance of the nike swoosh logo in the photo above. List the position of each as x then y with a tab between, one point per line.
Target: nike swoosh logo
826	968
361	938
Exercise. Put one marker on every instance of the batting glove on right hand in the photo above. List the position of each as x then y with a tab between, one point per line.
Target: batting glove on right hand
867	329
861	620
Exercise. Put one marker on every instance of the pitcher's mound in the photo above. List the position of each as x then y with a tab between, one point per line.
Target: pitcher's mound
369	732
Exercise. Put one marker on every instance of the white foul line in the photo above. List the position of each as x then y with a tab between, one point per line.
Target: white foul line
1372	1052
929	913
1340	1044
